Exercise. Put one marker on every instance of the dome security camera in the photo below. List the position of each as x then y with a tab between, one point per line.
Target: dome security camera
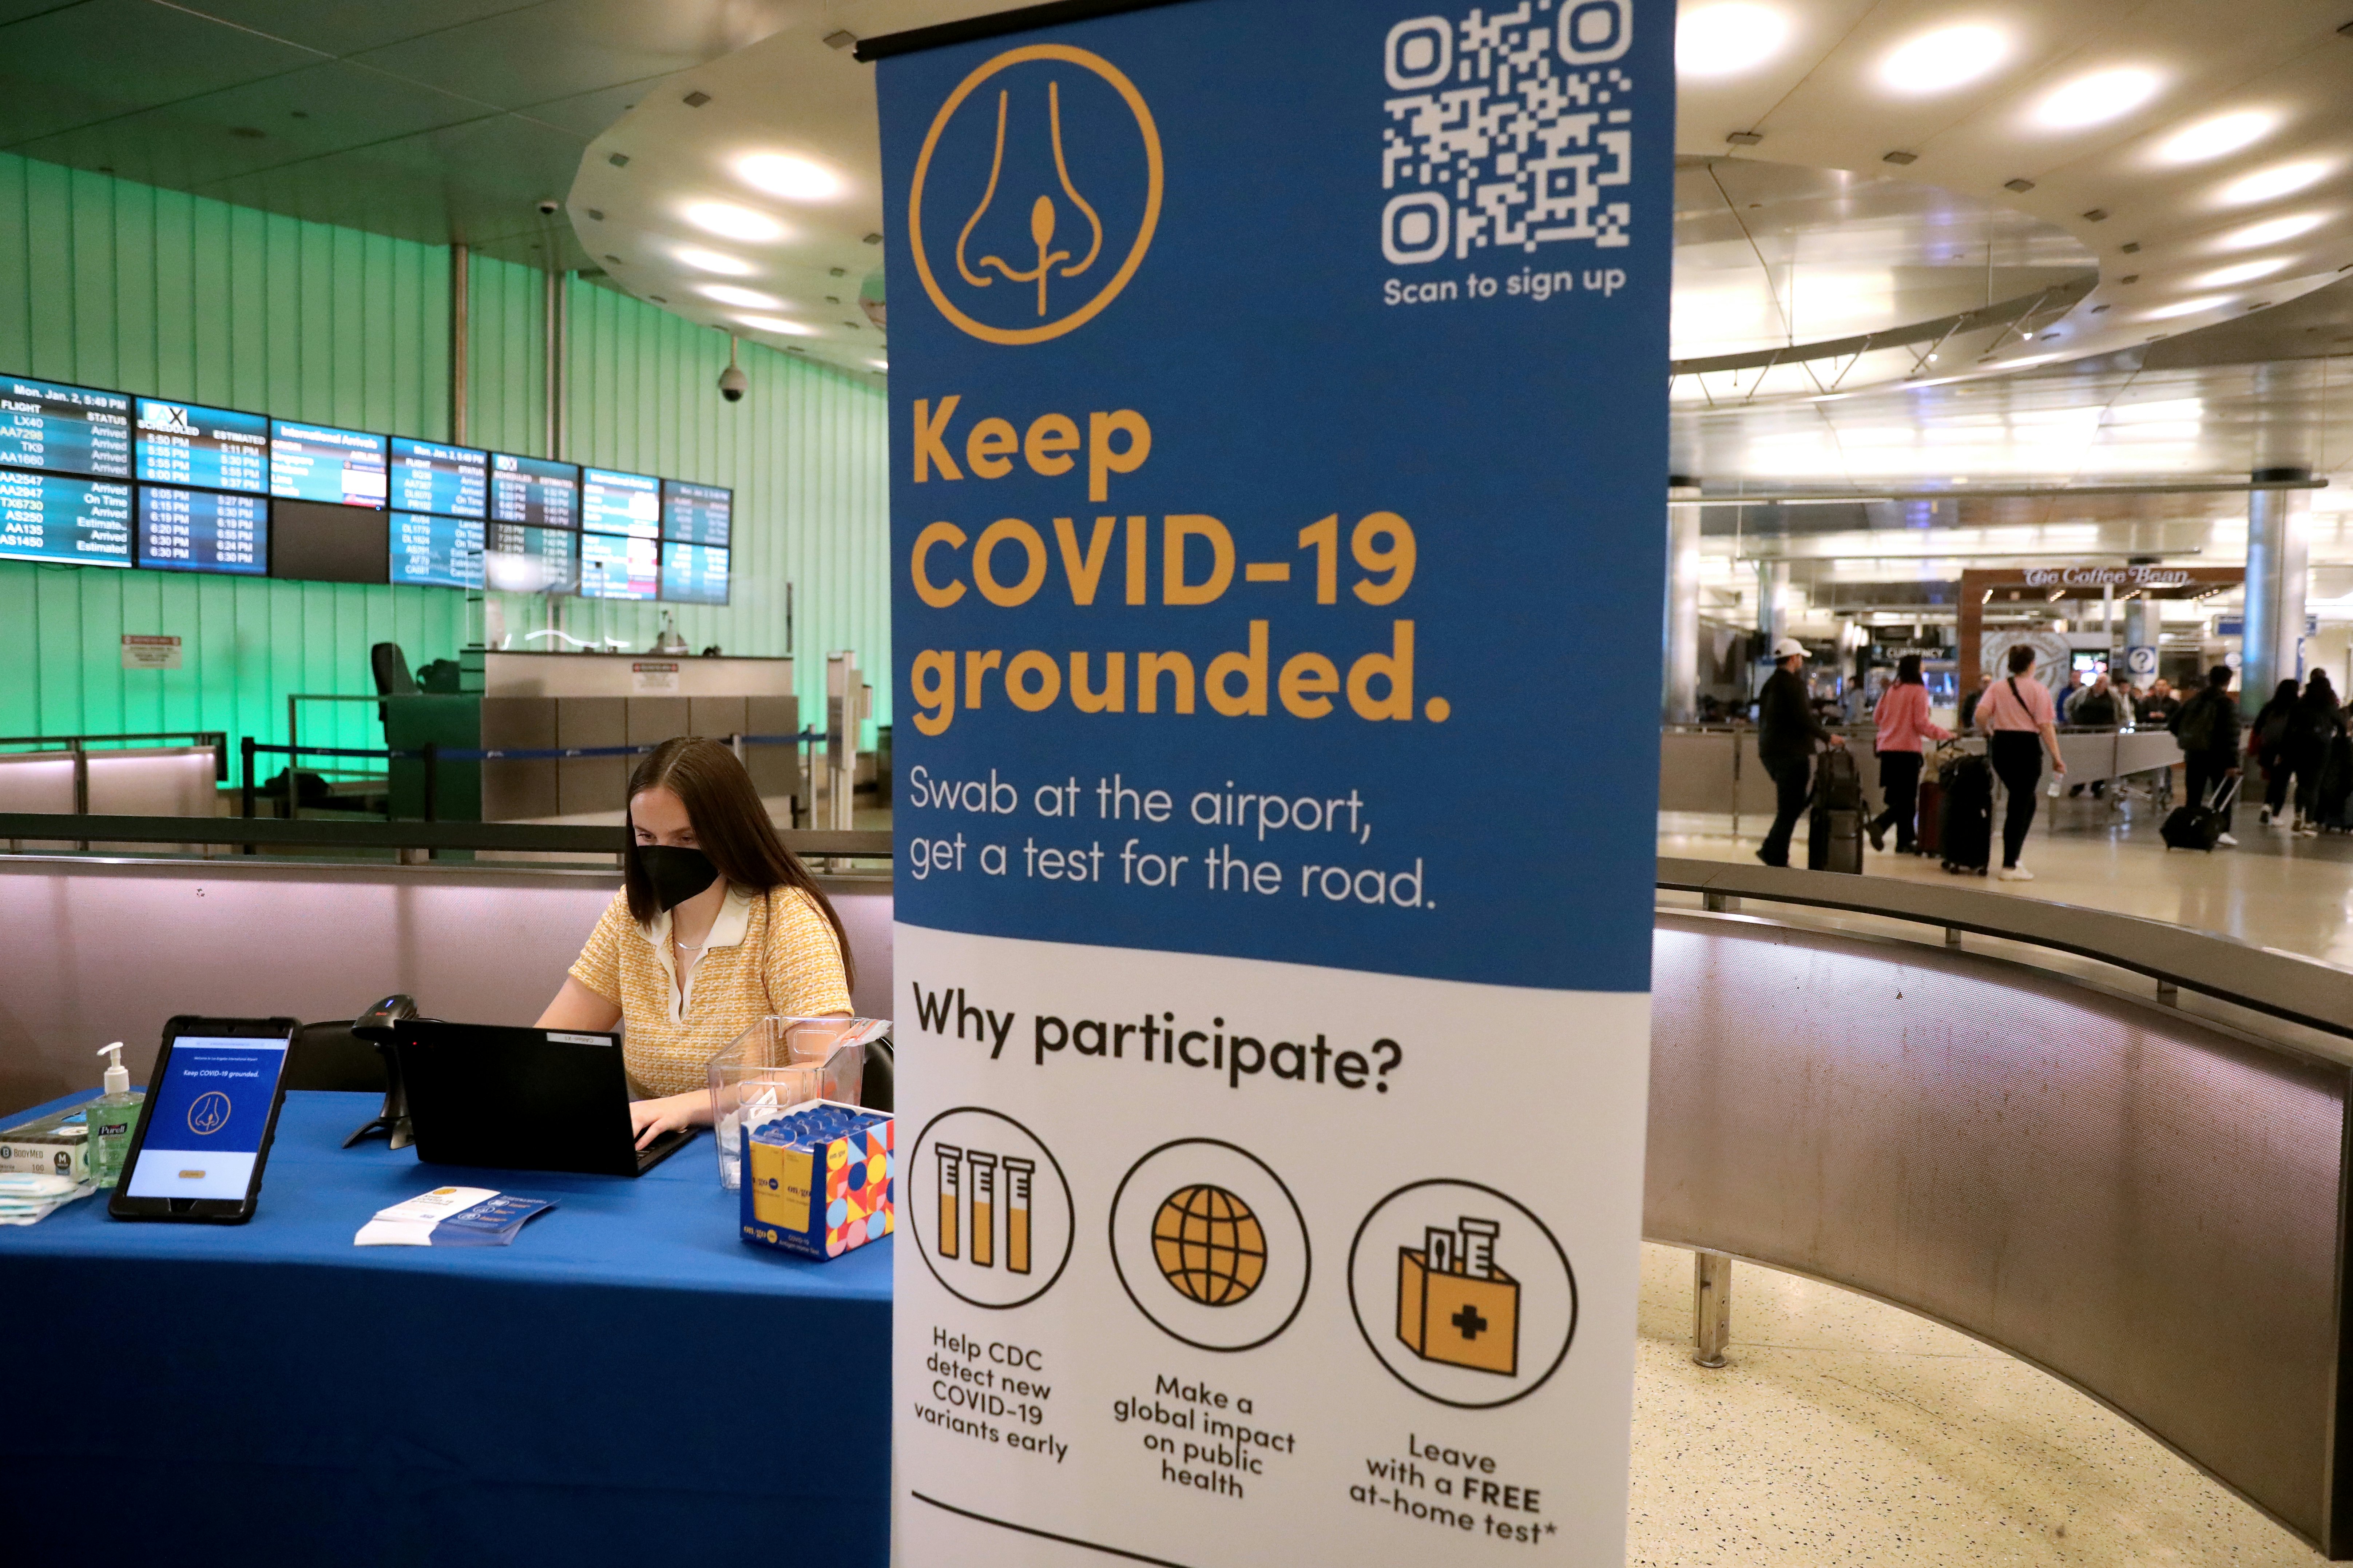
549	208
732	383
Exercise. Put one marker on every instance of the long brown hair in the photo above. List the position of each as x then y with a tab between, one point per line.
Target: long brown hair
730	826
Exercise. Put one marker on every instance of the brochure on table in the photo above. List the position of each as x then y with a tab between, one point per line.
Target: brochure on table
1279	424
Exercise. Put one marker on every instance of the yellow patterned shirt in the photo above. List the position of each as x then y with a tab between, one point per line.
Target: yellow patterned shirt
768	952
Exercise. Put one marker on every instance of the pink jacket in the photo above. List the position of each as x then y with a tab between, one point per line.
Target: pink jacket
1903	717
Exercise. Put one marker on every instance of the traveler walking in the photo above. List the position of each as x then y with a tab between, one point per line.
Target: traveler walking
1786	736
2317	721
2267	741
1969	703
2207	729
2095	709
1902	719
2020	724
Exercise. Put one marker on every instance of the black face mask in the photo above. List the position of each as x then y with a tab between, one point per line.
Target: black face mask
676	875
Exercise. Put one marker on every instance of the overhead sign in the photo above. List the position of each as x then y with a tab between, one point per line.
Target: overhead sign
2107	577
1272	1096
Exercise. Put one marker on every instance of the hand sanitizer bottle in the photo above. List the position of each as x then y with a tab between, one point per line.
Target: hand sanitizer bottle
111	1118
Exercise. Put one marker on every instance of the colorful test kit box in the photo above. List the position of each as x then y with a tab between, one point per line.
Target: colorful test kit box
818	1181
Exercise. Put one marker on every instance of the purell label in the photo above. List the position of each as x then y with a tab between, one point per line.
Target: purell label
111	1129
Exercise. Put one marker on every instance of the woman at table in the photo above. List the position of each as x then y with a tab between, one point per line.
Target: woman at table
716	926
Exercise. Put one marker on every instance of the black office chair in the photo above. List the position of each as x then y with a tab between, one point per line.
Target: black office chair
390	667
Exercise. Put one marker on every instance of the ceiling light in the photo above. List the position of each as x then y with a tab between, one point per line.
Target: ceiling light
2280	180
2244	272
2271	231
794	179
778	325
1728	38
2213	137
728	294
704	260
728	221
2096	99
1943	59
2184	308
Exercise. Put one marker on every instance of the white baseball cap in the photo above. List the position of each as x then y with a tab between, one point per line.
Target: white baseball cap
1788	647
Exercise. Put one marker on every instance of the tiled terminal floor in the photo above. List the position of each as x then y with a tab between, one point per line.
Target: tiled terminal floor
1847	1431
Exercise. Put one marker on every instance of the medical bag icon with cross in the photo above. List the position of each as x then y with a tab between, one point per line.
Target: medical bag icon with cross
1454	1305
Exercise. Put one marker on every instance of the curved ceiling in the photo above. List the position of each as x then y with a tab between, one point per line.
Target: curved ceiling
2199	153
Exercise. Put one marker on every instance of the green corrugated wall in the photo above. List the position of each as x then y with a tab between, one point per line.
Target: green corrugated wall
113	284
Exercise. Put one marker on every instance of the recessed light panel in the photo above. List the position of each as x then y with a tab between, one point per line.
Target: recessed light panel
1728	38
2271	231
704	260
2096	99
794	179
2244	272
728	294
2184	308
2268	184
728	221
778	325
2224	134
1944	59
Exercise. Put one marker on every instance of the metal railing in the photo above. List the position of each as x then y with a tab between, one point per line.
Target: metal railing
326	836
433	754
80	746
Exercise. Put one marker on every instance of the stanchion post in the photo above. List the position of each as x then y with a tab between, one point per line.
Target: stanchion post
246	792
1711	1307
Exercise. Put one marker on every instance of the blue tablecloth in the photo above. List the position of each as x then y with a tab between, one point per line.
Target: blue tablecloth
626	1384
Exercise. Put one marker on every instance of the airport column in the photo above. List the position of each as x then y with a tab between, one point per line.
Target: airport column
1772	603
2279	546
2144	623
1680	700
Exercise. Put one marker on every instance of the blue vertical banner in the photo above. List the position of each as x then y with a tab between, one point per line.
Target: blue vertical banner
1280	427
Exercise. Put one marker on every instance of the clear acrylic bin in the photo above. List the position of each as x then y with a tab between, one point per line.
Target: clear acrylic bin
779	1063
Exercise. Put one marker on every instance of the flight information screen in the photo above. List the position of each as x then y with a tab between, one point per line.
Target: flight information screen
64	429
620	503
216	449
437	552
696	514
316	462
203	531
55	517
519	560
694	574
445	481
617	568
534	492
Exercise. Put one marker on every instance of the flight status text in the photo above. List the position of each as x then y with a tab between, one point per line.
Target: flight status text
696	514
437	552
620	503
443	481
313	462
64	429
53	517
212	449
203	531
534	492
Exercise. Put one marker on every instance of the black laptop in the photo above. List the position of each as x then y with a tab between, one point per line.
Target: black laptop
523	1100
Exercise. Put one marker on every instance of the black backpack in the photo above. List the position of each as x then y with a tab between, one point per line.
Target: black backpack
2195	726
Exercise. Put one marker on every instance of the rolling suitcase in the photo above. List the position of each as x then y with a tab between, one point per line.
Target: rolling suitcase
1965	821
1834	826
2199	825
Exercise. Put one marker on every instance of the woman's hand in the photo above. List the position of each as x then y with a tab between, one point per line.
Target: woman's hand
649	1119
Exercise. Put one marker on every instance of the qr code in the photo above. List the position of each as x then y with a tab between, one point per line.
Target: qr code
1507	128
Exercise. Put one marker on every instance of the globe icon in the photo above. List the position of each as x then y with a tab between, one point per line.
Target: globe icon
1210	1246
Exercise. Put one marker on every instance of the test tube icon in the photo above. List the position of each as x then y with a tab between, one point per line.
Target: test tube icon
1438	1247
951	1196
984	1207
1016	1213
1479	1246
